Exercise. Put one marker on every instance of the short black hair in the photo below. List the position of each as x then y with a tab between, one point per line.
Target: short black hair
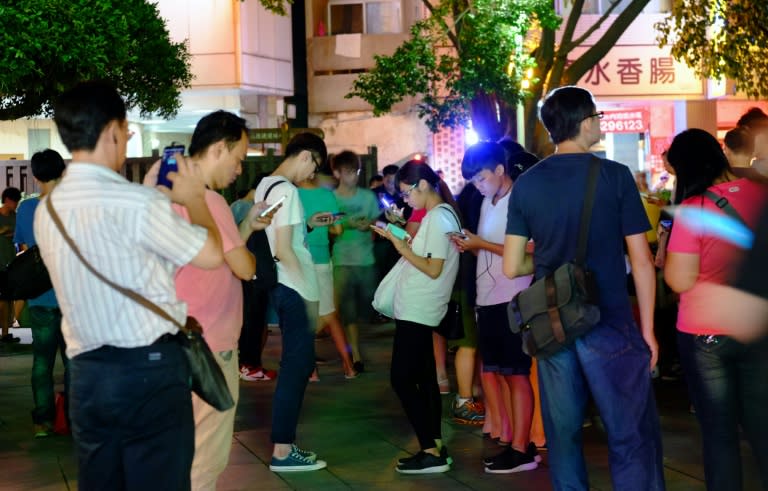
389	170
346	159
482	155
215	127
563	110
307	141
520	162
740	140
47	165
82	112
375	178
753	116
12	194
698	160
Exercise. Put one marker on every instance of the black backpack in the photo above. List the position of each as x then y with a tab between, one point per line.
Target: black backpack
266	262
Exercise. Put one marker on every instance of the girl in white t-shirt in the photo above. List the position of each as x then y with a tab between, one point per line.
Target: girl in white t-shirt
424	288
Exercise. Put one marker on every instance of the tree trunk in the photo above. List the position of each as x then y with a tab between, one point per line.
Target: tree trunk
491	118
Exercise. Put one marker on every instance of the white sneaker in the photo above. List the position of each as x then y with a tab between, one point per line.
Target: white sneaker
251	374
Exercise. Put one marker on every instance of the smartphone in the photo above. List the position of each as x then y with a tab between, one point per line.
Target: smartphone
398	232
666	224
457	234
338	215
169	164
272	207
385	202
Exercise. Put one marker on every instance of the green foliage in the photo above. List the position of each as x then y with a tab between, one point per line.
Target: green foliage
721	38
464	52
279	7
50	45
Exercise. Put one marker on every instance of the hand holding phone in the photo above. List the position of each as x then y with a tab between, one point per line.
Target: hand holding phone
272	207
457	235
169	164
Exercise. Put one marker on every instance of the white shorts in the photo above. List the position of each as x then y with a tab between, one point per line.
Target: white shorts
325	284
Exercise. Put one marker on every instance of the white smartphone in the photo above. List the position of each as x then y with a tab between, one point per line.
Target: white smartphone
272	207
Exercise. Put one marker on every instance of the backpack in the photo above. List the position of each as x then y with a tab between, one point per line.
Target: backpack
266	263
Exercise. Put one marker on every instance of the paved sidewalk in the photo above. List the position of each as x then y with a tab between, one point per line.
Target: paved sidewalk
357	426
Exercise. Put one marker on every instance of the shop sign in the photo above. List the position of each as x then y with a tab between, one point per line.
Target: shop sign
626	121
639	71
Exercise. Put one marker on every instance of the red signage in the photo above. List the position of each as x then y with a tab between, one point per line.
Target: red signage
627	121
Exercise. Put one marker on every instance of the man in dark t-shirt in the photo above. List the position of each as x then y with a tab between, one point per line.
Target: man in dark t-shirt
612	362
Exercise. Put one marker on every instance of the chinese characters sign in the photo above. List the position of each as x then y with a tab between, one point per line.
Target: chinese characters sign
639	71
627	121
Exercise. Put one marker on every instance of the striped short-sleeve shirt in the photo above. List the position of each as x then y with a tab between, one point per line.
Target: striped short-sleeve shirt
131	235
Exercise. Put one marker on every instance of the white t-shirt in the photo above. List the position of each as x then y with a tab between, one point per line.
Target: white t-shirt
304	281
493	287
420	298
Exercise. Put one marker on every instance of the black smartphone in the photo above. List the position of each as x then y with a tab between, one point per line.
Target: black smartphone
168	164
338	215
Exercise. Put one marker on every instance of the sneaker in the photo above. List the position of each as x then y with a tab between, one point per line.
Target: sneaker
42	430
254	374
307	454
351	375
533	452
443	454
297	461
511	461
471	412
424	463
9	338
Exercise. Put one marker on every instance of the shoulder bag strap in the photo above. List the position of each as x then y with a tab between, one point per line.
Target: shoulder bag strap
128	293
586	211
722	203
272	186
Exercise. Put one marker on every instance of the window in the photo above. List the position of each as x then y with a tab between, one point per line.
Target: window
364	16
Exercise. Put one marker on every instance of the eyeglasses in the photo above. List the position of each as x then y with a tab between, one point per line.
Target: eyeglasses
316	160
406	194
598	115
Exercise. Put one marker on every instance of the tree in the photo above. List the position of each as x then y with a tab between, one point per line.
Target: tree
50	45
721	39
470	72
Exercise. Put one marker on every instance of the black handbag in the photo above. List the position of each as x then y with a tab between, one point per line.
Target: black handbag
25	276
206	378
560	307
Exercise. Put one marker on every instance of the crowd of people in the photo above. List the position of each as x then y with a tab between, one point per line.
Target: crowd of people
193	254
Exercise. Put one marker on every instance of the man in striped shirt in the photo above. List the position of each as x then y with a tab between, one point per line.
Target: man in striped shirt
129	400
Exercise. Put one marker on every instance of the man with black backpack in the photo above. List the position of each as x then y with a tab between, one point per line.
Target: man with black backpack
612	361
294	296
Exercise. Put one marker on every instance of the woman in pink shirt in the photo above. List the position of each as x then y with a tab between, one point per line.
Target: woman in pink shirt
726	379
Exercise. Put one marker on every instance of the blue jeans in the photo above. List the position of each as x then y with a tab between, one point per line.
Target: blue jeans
47	340
727	384
612	363
297	320
131	412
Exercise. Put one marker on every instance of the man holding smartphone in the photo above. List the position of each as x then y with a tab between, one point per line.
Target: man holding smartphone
295	298
129	380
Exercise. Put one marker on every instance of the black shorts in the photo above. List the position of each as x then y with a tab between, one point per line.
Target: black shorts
501	349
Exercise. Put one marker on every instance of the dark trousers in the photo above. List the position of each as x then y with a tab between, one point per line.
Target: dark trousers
255	302
297	320
728	384
131	412
47	340
612	364
413	377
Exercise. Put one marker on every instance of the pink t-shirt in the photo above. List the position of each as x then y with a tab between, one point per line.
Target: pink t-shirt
717	258
214	296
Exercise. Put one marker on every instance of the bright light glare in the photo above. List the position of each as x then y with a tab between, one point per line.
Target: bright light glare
470	137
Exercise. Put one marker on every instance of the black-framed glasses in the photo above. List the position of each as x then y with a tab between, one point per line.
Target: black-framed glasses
316	160
405	194
598	115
